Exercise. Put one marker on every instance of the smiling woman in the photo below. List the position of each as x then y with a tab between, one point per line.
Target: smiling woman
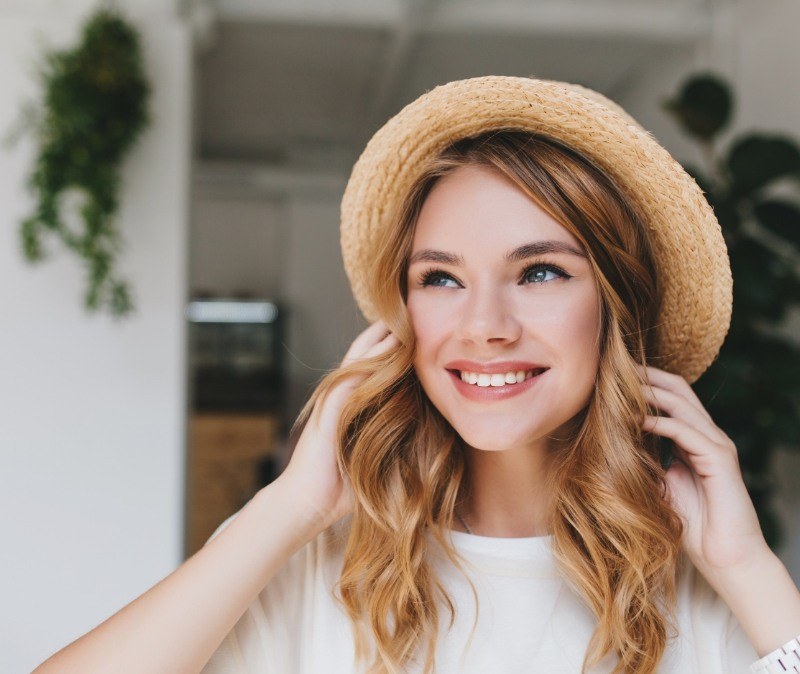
520	246
502	300
520	258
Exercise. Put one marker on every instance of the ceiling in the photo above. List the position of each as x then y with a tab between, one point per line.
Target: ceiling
307	83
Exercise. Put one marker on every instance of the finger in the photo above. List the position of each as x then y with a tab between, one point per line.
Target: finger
365	340
348	385
681	481
678	407
705	456
674	383
388	342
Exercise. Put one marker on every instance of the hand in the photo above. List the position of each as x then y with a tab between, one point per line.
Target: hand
704	482
313	469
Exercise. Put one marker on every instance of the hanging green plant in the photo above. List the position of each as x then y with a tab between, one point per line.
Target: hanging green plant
752	390
93	109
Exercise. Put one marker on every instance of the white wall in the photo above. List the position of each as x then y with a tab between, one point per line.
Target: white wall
92	412
236	245
324	319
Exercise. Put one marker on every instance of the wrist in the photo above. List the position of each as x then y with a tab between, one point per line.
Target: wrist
284	496
728	581
724	561
764	599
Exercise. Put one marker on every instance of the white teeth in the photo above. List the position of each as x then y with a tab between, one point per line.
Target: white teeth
499	379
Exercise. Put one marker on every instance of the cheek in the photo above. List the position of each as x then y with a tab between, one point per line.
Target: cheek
575	331
585	319
427	325
430	329
422	337
583	330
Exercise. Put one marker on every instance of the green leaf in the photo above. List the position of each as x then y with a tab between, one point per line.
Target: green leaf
790	288
94	106
786	428
31	241
703	106
756	160
756	279
781	217
121	302
779	363
727	382
727	213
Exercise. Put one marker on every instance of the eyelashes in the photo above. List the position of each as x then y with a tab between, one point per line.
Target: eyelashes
429	276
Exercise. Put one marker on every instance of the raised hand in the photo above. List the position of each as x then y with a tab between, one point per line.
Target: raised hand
313	470
722	536
705	484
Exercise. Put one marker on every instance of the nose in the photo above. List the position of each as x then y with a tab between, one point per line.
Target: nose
487	317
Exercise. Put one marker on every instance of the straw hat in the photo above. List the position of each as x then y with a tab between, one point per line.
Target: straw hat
691	256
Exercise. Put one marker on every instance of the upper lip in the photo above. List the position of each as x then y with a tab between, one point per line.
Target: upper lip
496	367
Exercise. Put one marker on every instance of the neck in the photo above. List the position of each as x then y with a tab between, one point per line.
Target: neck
508	494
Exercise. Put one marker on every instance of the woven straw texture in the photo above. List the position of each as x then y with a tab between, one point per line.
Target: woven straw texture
691	256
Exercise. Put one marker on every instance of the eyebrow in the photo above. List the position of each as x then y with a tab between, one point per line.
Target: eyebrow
517	255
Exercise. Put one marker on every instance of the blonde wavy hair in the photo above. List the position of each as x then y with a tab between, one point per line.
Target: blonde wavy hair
615	538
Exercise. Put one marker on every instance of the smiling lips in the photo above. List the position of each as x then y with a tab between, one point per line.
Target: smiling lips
493	381
483	379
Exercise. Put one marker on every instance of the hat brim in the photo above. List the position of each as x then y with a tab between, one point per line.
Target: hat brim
691	257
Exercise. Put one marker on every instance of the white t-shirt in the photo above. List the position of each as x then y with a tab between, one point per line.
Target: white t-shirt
529	620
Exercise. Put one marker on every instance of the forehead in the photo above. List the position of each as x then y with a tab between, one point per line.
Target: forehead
477	207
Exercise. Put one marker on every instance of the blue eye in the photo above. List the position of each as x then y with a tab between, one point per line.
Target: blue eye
538	272
430	278
535	274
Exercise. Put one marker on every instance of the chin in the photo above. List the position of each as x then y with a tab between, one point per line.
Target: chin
489	441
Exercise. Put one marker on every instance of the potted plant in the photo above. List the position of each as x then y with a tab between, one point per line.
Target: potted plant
93	109
752	390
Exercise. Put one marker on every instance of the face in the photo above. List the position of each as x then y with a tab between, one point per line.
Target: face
496	286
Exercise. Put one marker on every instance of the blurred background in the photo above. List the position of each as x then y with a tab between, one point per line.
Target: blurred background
124	442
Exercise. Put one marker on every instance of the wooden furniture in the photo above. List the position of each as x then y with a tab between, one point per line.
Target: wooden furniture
224	453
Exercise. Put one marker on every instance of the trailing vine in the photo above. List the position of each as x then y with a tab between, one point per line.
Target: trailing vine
93	109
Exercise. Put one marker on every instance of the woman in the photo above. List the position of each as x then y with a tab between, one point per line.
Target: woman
479	486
